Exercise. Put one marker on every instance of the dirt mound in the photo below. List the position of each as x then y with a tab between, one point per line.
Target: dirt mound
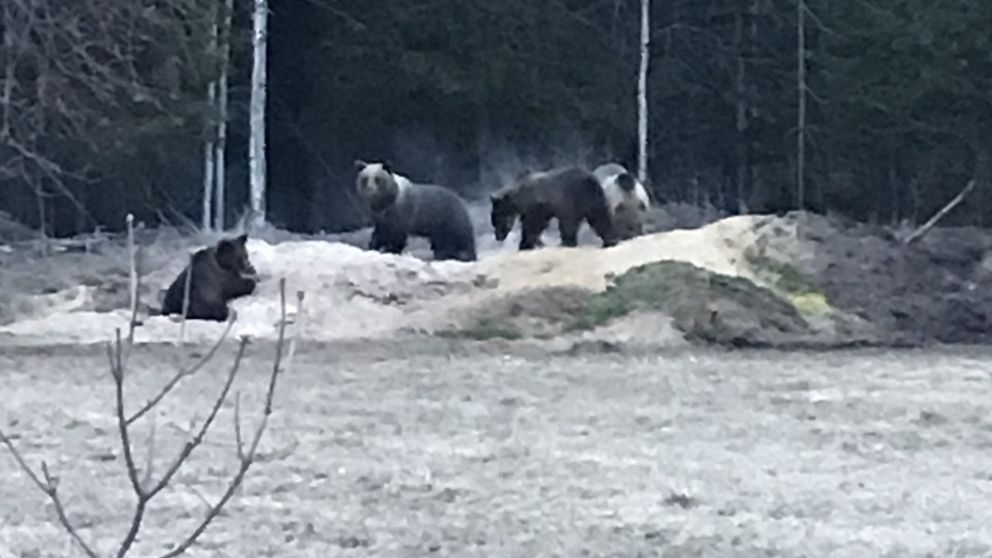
747	280
937	289
706	307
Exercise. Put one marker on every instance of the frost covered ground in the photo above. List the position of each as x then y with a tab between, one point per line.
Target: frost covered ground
388	442
420	447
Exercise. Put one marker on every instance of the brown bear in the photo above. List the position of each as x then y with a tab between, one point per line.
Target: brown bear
401	208
569	194
220	273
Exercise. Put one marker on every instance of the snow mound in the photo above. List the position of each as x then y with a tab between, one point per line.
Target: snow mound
353	293
718	247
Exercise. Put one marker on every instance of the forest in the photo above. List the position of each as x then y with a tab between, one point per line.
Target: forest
879	110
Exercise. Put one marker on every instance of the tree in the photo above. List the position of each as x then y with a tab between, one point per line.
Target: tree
220	182
209	154
642	93
256	148
801	88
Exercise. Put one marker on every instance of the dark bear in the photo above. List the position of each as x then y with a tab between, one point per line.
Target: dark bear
569	194
401	208
220	273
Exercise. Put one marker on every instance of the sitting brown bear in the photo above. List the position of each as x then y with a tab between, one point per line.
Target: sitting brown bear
220	273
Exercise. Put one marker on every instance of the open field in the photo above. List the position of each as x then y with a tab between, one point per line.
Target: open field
417	447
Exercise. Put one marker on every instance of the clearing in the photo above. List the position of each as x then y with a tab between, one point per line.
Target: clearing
454	448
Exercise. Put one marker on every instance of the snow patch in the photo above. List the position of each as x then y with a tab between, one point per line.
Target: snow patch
352	293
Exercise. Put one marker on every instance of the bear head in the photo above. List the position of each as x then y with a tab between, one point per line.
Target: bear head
231	255
376	184
503	214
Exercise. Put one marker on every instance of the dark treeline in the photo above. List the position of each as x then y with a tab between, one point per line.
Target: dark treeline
469	92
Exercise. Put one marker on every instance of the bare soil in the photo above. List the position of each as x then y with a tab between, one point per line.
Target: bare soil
421	446
936	290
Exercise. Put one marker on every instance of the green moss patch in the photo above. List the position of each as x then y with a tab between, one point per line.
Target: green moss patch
707	307
782	276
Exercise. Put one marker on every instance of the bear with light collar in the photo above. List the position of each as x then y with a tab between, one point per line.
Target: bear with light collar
401	208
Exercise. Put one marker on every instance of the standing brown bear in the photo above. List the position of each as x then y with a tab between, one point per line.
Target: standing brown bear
401	208
220	273
569	194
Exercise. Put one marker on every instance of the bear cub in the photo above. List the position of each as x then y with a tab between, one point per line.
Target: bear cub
220	273
401	208
570	194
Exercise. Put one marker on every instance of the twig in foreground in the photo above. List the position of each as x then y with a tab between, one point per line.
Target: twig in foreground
187	285
246	458
50	488
172	383
144	494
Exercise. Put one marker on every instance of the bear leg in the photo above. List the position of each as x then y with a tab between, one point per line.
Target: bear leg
532	225
378	242
601	222
375	242
394	245
388	239
569	230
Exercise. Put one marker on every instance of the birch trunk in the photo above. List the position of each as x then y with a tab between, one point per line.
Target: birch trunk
741	94
642	93
220	157
256	147
208	148
801	124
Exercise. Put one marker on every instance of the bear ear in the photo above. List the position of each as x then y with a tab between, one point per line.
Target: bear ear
243	239
360	164
626	181
387	166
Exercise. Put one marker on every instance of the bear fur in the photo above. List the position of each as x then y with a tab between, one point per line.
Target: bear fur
569	194
627	197
401	208
220	273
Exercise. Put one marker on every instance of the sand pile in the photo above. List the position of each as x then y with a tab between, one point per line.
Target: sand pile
354	293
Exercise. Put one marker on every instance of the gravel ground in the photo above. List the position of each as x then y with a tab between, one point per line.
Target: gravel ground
420	447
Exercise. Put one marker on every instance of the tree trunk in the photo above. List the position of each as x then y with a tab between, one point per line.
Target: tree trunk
208	169
801	124
741	96
220	182
209	155
256	147
642	93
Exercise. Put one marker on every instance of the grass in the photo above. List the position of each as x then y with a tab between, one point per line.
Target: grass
662	286
784	277
427	447
679	289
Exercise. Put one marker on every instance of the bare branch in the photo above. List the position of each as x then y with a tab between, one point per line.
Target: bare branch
925	227
198	438
246	459
238	441
187	285
150	461
50	488
183	373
